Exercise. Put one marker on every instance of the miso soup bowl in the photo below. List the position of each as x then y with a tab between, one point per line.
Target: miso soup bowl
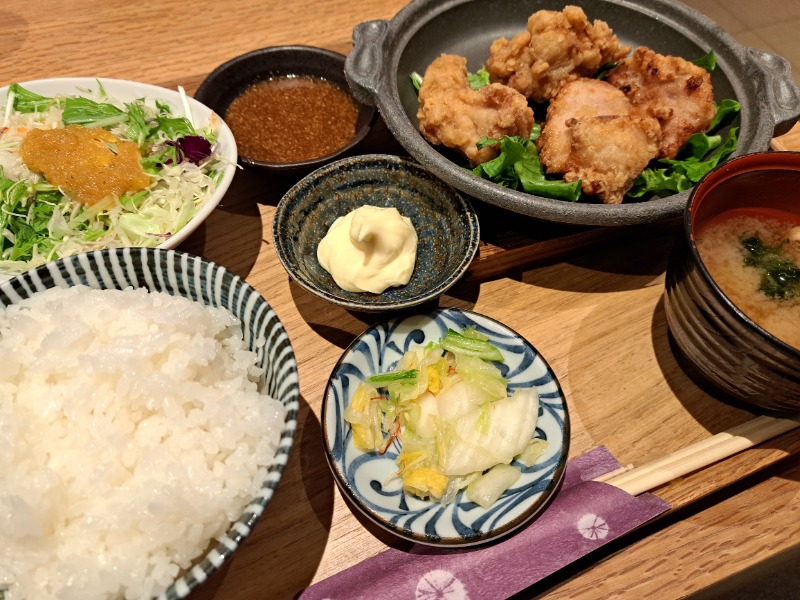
749	366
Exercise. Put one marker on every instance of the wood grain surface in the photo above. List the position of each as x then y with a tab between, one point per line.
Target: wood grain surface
590	300
789	141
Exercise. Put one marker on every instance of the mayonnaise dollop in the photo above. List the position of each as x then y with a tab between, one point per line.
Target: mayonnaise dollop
369	250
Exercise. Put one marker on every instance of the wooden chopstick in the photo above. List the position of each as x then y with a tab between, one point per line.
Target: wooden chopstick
698	455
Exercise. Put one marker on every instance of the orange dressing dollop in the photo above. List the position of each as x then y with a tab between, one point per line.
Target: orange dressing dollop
90	164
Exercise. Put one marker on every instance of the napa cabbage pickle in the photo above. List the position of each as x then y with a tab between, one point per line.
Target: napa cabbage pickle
448	408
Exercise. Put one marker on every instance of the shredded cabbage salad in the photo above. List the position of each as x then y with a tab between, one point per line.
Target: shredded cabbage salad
448	404
40	222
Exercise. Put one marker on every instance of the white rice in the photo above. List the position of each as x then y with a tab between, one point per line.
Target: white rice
132	432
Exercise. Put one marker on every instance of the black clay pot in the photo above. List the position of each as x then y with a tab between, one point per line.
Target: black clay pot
747	363
386	52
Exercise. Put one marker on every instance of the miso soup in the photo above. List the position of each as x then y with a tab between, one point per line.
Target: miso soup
754	257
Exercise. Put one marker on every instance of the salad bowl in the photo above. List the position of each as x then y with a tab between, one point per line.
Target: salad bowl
365	478
190	210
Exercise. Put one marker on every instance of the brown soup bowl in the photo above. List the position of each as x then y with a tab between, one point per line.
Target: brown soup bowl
750	366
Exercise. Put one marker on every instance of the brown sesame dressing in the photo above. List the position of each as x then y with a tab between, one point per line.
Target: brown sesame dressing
291	119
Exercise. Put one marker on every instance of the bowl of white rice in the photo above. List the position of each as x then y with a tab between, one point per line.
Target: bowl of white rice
148	403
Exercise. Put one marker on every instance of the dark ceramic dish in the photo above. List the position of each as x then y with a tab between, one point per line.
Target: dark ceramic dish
230	79
446	226
386	52
747	363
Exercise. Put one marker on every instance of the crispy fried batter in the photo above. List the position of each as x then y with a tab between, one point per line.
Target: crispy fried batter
591	135
671	89
609	152
453	114
555	48
576	100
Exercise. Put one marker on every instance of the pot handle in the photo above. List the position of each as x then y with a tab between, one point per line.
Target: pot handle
783	95
364	63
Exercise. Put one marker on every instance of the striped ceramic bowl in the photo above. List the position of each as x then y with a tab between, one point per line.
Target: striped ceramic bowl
182	274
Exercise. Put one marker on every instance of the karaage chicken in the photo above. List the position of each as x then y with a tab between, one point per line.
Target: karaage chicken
451	113
591	135
556	47
671	89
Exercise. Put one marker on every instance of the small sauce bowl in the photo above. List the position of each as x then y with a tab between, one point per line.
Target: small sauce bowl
446	224
752	367
234	77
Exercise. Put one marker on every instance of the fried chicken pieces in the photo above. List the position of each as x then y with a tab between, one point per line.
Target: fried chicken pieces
603	133
671	89
591	135
555	48
453	114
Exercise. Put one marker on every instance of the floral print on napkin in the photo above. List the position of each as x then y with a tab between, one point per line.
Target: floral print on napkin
583	516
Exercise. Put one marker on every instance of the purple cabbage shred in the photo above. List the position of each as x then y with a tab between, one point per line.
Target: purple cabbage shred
193	148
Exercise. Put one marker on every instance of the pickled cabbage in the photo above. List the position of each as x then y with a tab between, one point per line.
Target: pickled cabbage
448	405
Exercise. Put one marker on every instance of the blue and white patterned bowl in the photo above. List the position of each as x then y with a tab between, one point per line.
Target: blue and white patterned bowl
362	476
182	274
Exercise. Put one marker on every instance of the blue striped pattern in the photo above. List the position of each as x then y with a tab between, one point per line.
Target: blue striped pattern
363	476
182	274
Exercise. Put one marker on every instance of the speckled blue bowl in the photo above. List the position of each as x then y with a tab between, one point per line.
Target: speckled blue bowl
446	225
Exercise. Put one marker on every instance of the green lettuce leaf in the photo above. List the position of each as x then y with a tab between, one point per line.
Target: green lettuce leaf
82	111
476	80
708	62
416	80
518	167
173	127
701	153
479	79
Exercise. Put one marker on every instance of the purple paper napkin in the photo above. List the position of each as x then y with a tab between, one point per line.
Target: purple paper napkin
583	516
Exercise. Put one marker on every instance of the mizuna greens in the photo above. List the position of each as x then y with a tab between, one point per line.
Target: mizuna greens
448	405
40	222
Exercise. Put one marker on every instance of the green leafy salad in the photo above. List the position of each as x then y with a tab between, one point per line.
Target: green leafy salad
448	404
178	164
518	167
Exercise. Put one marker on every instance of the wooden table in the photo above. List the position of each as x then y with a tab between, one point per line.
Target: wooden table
597	316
